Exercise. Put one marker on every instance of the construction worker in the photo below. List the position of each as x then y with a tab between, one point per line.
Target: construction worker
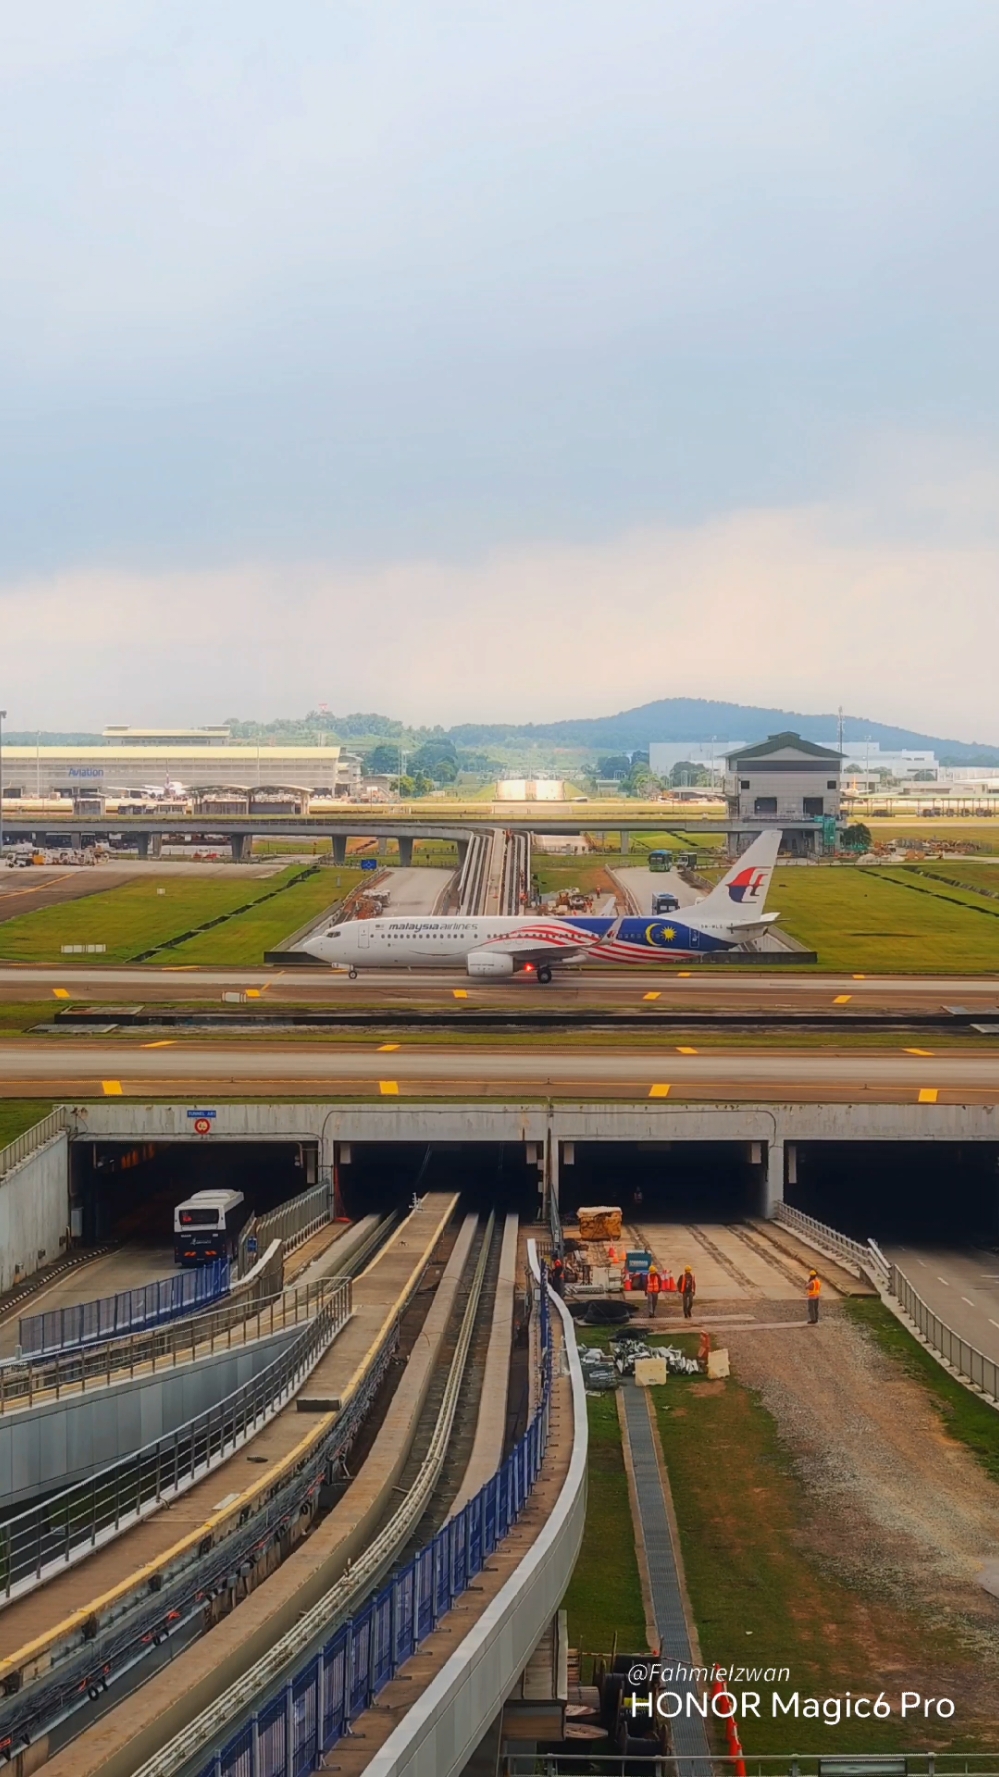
556	1276
813	1290
653	1284
688	1289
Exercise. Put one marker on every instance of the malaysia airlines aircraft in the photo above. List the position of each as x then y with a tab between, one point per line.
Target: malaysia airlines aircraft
492	947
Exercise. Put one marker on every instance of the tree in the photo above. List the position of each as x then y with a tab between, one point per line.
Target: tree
382	761
857	837
617	765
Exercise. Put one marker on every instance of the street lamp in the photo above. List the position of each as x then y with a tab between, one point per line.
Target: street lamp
3	718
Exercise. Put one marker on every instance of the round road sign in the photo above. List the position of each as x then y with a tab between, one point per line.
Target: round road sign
202	1126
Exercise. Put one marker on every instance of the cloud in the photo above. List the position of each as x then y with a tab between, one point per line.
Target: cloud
800	608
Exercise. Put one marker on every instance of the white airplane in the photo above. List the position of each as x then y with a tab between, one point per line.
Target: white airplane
491	947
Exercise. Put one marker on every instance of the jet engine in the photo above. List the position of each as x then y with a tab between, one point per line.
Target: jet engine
489	962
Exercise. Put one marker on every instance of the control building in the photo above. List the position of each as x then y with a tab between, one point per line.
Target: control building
204	766
786	782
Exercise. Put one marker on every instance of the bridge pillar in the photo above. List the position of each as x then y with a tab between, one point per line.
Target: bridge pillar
405	851
339	848
150	844
238	842
382	848
625	844
773	1184
462	845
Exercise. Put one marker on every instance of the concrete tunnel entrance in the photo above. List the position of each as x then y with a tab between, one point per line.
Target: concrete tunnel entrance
127	1190
946	1192
669	1181
379	1176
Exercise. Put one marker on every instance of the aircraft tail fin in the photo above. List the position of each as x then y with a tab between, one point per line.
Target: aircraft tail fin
741	895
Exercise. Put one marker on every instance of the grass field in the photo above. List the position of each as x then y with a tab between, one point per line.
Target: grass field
865	921
18	1114
245	939
758	1595
982	833
137	917
604	1597
965	1415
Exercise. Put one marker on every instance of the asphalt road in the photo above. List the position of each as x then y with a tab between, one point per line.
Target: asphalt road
960	1285
676	989
75	1065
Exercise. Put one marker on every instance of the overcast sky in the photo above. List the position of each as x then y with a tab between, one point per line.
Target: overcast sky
511	360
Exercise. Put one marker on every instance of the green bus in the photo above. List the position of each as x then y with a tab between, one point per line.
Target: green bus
660	860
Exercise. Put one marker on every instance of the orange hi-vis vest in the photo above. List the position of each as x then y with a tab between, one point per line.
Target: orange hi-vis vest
814	1286
653	1284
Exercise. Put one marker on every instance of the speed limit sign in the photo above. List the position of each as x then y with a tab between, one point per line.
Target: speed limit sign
202	1126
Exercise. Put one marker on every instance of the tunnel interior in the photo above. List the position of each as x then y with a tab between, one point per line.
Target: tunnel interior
937	1191
670	1181
374	1177
127	1190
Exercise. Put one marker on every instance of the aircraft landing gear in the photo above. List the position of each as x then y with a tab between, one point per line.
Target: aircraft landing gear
544	974
352	974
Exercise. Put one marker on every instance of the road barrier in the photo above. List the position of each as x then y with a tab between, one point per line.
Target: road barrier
56	1123
292	1222
314	1709
69	1525
129	1311
830	1241
970	1364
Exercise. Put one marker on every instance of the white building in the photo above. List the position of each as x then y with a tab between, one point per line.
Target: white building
155	761
664	754
785	782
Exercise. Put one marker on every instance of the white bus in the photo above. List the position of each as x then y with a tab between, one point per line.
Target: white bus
207	1226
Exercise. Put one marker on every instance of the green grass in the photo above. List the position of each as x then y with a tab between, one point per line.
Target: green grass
984	834
605	1597
760	1596
965	1416
587	872
244	939
861	920
21	1015
19	1114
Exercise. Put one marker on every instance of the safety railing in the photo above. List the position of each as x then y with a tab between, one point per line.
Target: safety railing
23	1146
831	1241
240	1320
315	1708
963	1357
67	1526
147	1305
292	1222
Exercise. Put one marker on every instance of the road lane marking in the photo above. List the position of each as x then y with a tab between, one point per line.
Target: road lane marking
994	1323
943	1280
659	1091
112	1088
389	1088
842	999
682	1051
60	993
387	1048
919	1051
860	977
460	993
685	974
968	1300
164	1043
928	1094
651	996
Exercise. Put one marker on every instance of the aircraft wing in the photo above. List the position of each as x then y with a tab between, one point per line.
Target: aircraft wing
534	950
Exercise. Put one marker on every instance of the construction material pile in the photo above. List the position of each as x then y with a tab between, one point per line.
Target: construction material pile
627	1352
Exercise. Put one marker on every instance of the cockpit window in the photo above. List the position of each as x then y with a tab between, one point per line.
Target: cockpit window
334	932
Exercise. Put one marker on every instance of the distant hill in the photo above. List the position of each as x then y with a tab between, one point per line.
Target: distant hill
670	718
698	719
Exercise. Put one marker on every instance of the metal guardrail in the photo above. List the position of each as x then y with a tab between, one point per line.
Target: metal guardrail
90	1366
292	1223
765	1764
314	1709
830	1240
58	1122
69	1525
134	1310
970	1364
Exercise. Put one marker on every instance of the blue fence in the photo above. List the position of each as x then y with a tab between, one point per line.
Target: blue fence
289	1735
130	1311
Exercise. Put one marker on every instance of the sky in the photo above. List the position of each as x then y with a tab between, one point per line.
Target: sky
498	361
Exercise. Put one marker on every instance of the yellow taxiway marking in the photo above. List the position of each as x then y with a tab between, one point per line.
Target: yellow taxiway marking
659	1091
164	1043
684	974
682	1051
652	996
928	1094
253	993
860	977
112	1088
60	993
919	1051
178	968
842	999
389	1088
460	993
387	1048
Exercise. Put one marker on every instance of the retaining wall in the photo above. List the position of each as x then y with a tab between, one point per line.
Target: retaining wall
34	1210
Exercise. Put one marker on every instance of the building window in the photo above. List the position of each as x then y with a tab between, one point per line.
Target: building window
744	783
830	783
765	805
813	805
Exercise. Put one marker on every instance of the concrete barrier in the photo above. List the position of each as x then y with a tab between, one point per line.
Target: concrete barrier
34	1210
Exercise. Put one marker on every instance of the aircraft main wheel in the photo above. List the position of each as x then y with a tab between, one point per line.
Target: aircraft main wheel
352	974
544	975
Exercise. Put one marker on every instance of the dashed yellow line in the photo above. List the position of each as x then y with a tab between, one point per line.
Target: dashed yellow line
389	1088
112	1088
684	974
163	1043
460	993
842	999
60	993
681	1050
928	1094
659	1091
651	996
919	1051
387	1048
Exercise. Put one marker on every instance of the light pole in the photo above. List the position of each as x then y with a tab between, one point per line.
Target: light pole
3	718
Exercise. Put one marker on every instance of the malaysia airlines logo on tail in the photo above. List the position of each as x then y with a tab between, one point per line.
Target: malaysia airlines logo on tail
747	885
